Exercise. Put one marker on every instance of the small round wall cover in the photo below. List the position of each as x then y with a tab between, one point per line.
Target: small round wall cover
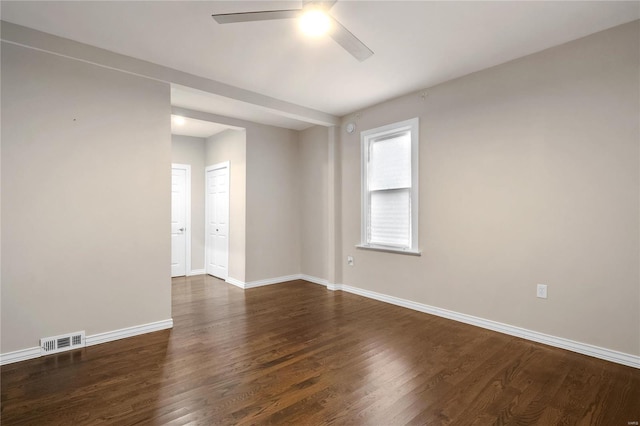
351	128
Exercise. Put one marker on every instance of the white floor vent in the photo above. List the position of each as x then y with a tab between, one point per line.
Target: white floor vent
65	342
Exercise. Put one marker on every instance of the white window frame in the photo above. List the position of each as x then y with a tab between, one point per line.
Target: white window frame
366	138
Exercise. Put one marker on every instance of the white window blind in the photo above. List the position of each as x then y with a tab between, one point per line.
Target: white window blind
390	190
389	187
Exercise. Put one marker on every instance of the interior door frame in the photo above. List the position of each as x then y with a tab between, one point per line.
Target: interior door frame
207	207
187	219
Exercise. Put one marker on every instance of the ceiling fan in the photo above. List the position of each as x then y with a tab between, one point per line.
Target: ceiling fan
314	17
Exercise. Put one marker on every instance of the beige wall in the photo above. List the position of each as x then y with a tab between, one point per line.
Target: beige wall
273	219
313	162
86	154
266	168
190	150
528	174
231	146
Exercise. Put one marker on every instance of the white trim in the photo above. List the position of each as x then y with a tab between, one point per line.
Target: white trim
224	165
20	355
187	219
236	282
334	287
123	333
389	249
196	272
269	281
276	280
96	339
366	138
314	280
558	342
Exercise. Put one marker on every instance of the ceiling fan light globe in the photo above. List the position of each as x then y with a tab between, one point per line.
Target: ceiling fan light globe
314	23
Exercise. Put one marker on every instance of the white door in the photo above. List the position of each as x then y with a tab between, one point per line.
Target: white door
178	222
217	220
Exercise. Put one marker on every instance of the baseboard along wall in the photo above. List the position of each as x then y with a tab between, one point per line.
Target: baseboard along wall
20	355
558	342
276	280
95	339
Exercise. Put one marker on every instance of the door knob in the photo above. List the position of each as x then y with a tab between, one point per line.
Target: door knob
181	229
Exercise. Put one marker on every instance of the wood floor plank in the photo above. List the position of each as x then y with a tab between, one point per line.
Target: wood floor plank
295	353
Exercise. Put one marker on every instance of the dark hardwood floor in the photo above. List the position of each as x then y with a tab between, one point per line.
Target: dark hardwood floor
295	353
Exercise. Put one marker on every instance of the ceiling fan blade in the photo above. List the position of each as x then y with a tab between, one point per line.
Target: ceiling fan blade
349	42
230	18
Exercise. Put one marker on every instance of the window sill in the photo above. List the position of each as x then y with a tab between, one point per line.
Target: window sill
389	250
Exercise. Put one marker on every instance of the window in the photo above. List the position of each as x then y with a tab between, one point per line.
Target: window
390	187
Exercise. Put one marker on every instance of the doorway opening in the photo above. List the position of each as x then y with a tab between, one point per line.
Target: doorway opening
216	156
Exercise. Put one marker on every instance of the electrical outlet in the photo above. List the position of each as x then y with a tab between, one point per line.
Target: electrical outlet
350	260
542	291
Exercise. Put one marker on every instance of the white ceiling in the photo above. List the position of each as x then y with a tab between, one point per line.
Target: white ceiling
417	44
196	128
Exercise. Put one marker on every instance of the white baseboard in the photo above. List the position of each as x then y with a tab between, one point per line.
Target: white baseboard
21	355
96	339
276	280
196	272
123	333
315	280
236	282
558	342
269	281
